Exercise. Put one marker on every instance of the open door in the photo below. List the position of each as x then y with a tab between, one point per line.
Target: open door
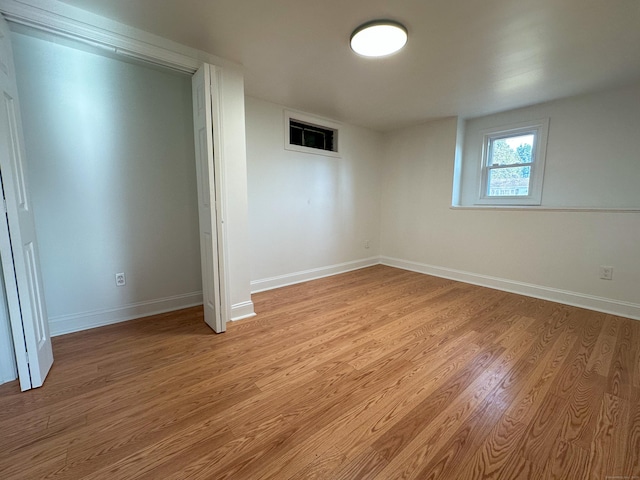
206	116
18	245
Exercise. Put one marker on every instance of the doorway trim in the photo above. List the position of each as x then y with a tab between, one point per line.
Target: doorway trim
99	32
133	43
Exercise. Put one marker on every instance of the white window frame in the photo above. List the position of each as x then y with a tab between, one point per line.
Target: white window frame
313	121
540	130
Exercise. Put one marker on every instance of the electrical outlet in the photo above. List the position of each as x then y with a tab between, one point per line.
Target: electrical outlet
366	244
606	273
121	281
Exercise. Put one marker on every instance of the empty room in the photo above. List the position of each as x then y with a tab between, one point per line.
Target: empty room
330	240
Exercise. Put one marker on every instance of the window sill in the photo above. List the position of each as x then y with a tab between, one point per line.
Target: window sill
314	151
540	208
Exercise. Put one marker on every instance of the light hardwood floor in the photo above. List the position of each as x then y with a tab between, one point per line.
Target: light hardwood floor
378	373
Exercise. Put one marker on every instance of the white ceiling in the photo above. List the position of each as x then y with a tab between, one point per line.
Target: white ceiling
464	57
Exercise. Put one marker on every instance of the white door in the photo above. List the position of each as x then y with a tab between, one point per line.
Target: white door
18	245
206	116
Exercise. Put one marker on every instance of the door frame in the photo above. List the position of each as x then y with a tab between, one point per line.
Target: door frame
151	49
209	172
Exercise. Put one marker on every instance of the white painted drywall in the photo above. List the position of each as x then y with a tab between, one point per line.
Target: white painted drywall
111	164
593	151
235	179
309	211
8	371
553	249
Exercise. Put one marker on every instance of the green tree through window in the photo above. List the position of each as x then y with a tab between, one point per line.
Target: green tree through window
513	164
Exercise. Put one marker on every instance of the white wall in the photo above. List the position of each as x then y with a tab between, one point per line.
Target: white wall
111	166
309	215
592	152
236	222
8	369
549	254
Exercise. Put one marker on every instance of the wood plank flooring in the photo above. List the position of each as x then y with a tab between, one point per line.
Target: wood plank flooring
378	373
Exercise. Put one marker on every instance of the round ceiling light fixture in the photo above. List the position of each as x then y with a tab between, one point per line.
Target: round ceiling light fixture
378	38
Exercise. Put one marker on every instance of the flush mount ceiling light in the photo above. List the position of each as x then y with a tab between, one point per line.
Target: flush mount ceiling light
378	38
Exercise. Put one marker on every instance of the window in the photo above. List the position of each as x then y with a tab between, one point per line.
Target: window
512	166
309	134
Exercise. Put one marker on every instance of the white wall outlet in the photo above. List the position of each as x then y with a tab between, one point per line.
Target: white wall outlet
606	273
121	281
366	244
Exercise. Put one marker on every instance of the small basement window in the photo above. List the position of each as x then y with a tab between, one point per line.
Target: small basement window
311	136
305	133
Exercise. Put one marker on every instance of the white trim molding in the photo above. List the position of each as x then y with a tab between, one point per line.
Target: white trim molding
540	130
591	302
312	274
242	310
63	324
542	208
312	120
77	24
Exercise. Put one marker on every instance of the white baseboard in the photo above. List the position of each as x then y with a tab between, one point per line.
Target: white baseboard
64	324
313	274
591	302
243	310
76	322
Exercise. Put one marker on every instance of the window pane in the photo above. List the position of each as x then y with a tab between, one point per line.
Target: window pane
310	136
314	139
512	150
509	182
295	135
